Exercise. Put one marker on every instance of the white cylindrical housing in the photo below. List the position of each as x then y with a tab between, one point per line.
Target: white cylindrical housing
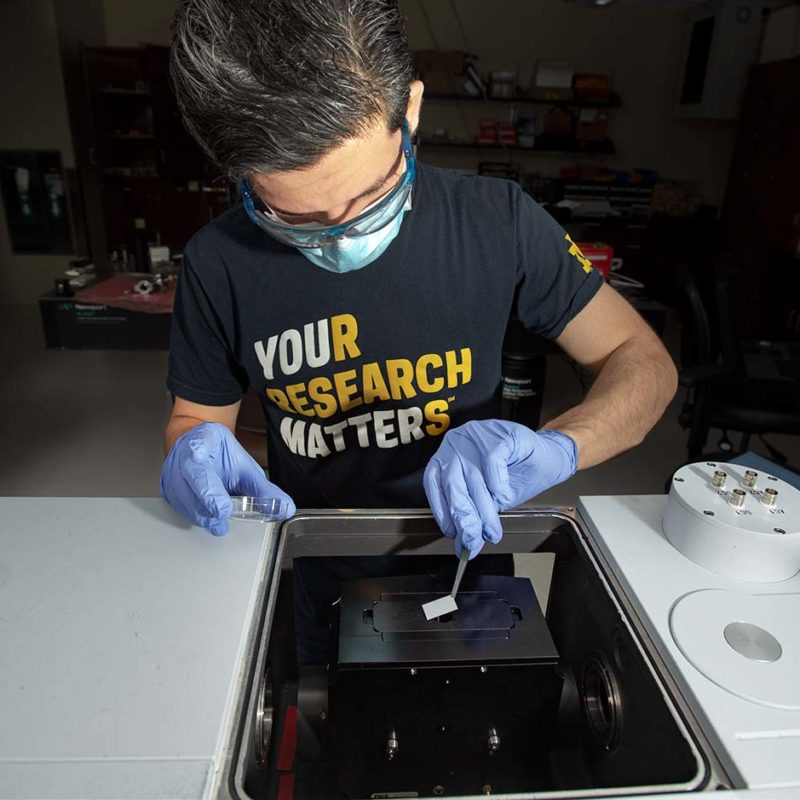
745	538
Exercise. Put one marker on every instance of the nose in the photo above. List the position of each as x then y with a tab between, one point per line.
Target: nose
327	219
337	215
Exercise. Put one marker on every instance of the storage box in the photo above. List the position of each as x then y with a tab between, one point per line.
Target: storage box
592	125
585	80
558	121
443	83
553	75
450	62
442	72
552	81
502	84
592	88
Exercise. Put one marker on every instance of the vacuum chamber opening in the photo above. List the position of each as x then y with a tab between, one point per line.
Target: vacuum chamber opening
359	696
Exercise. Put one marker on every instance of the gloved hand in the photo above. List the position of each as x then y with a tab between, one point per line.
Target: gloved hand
488	466
204	468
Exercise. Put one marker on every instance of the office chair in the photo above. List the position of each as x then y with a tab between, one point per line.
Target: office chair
731	384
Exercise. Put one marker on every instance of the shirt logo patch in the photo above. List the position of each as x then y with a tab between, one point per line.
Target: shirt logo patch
574	250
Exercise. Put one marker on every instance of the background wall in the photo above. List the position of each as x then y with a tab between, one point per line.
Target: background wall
638	43
34	117
133	22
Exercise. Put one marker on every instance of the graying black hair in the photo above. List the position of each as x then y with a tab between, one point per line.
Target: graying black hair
272	85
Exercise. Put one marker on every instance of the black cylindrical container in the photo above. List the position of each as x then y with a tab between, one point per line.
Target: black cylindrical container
522	387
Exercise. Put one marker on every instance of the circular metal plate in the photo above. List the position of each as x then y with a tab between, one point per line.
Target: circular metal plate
753	642
747	644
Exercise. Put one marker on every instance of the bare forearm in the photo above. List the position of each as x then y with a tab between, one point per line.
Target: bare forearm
176	427
187	415
628	397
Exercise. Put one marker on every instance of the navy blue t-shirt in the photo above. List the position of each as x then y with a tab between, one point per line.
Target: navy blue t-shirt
362	373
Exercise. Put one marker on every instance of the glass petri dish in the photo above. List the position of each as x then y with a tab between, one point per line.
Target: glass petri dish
258	509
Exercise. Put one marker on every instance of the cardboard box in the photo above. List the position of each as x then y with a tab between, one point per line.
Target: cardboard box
450	62
442	72
443	83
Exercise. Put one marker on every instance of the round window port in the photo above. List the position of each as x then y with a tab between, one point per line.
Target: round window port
602	702
264	719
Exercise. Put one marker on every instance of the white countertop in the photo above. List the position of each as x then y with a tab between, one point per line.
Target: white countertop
762	741
122	630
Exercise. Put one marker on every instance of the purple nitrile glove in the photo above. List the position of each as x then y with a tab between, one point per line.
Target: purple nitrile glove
204	468
488	466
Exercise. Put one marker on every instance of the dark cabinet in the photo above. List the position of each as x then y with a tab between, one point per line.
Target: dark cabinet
154	180
761	216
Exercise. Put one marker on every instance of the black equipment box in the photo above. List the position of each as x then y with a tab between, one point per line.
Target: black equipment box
71	325
460	705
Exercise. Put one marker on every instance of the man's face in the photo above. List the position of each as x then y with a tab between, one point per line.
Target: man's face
345	181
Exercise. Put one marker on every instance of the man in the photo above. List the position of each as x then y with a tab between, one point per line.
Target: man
364	295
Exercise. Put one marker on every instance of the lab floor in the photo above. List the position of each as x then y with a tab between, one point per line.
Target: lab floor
89	423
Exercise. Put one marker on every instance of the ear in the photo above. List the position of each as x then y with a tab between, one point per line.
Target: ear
416	89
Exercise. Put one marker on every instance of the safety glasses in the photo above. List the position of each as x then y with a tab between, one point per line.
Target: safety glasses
369	221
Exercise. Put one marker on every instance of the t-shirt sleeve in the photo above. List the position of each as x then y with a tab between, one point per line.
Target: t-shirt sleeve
555	281
202	367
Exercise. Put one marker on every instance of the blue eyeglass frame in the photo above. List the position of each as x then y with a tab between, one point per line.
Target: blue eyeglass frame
319	237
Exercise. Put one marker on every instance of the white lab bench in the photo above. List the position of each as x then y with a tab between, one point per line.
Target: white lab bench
122	636
125	635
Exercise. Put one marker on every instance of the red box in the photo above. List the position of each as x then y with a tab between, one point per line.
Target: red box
559	121
600	254
592	125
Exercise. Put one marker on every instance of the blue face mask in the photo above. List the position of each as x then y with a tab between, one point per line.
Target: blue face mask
347	254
